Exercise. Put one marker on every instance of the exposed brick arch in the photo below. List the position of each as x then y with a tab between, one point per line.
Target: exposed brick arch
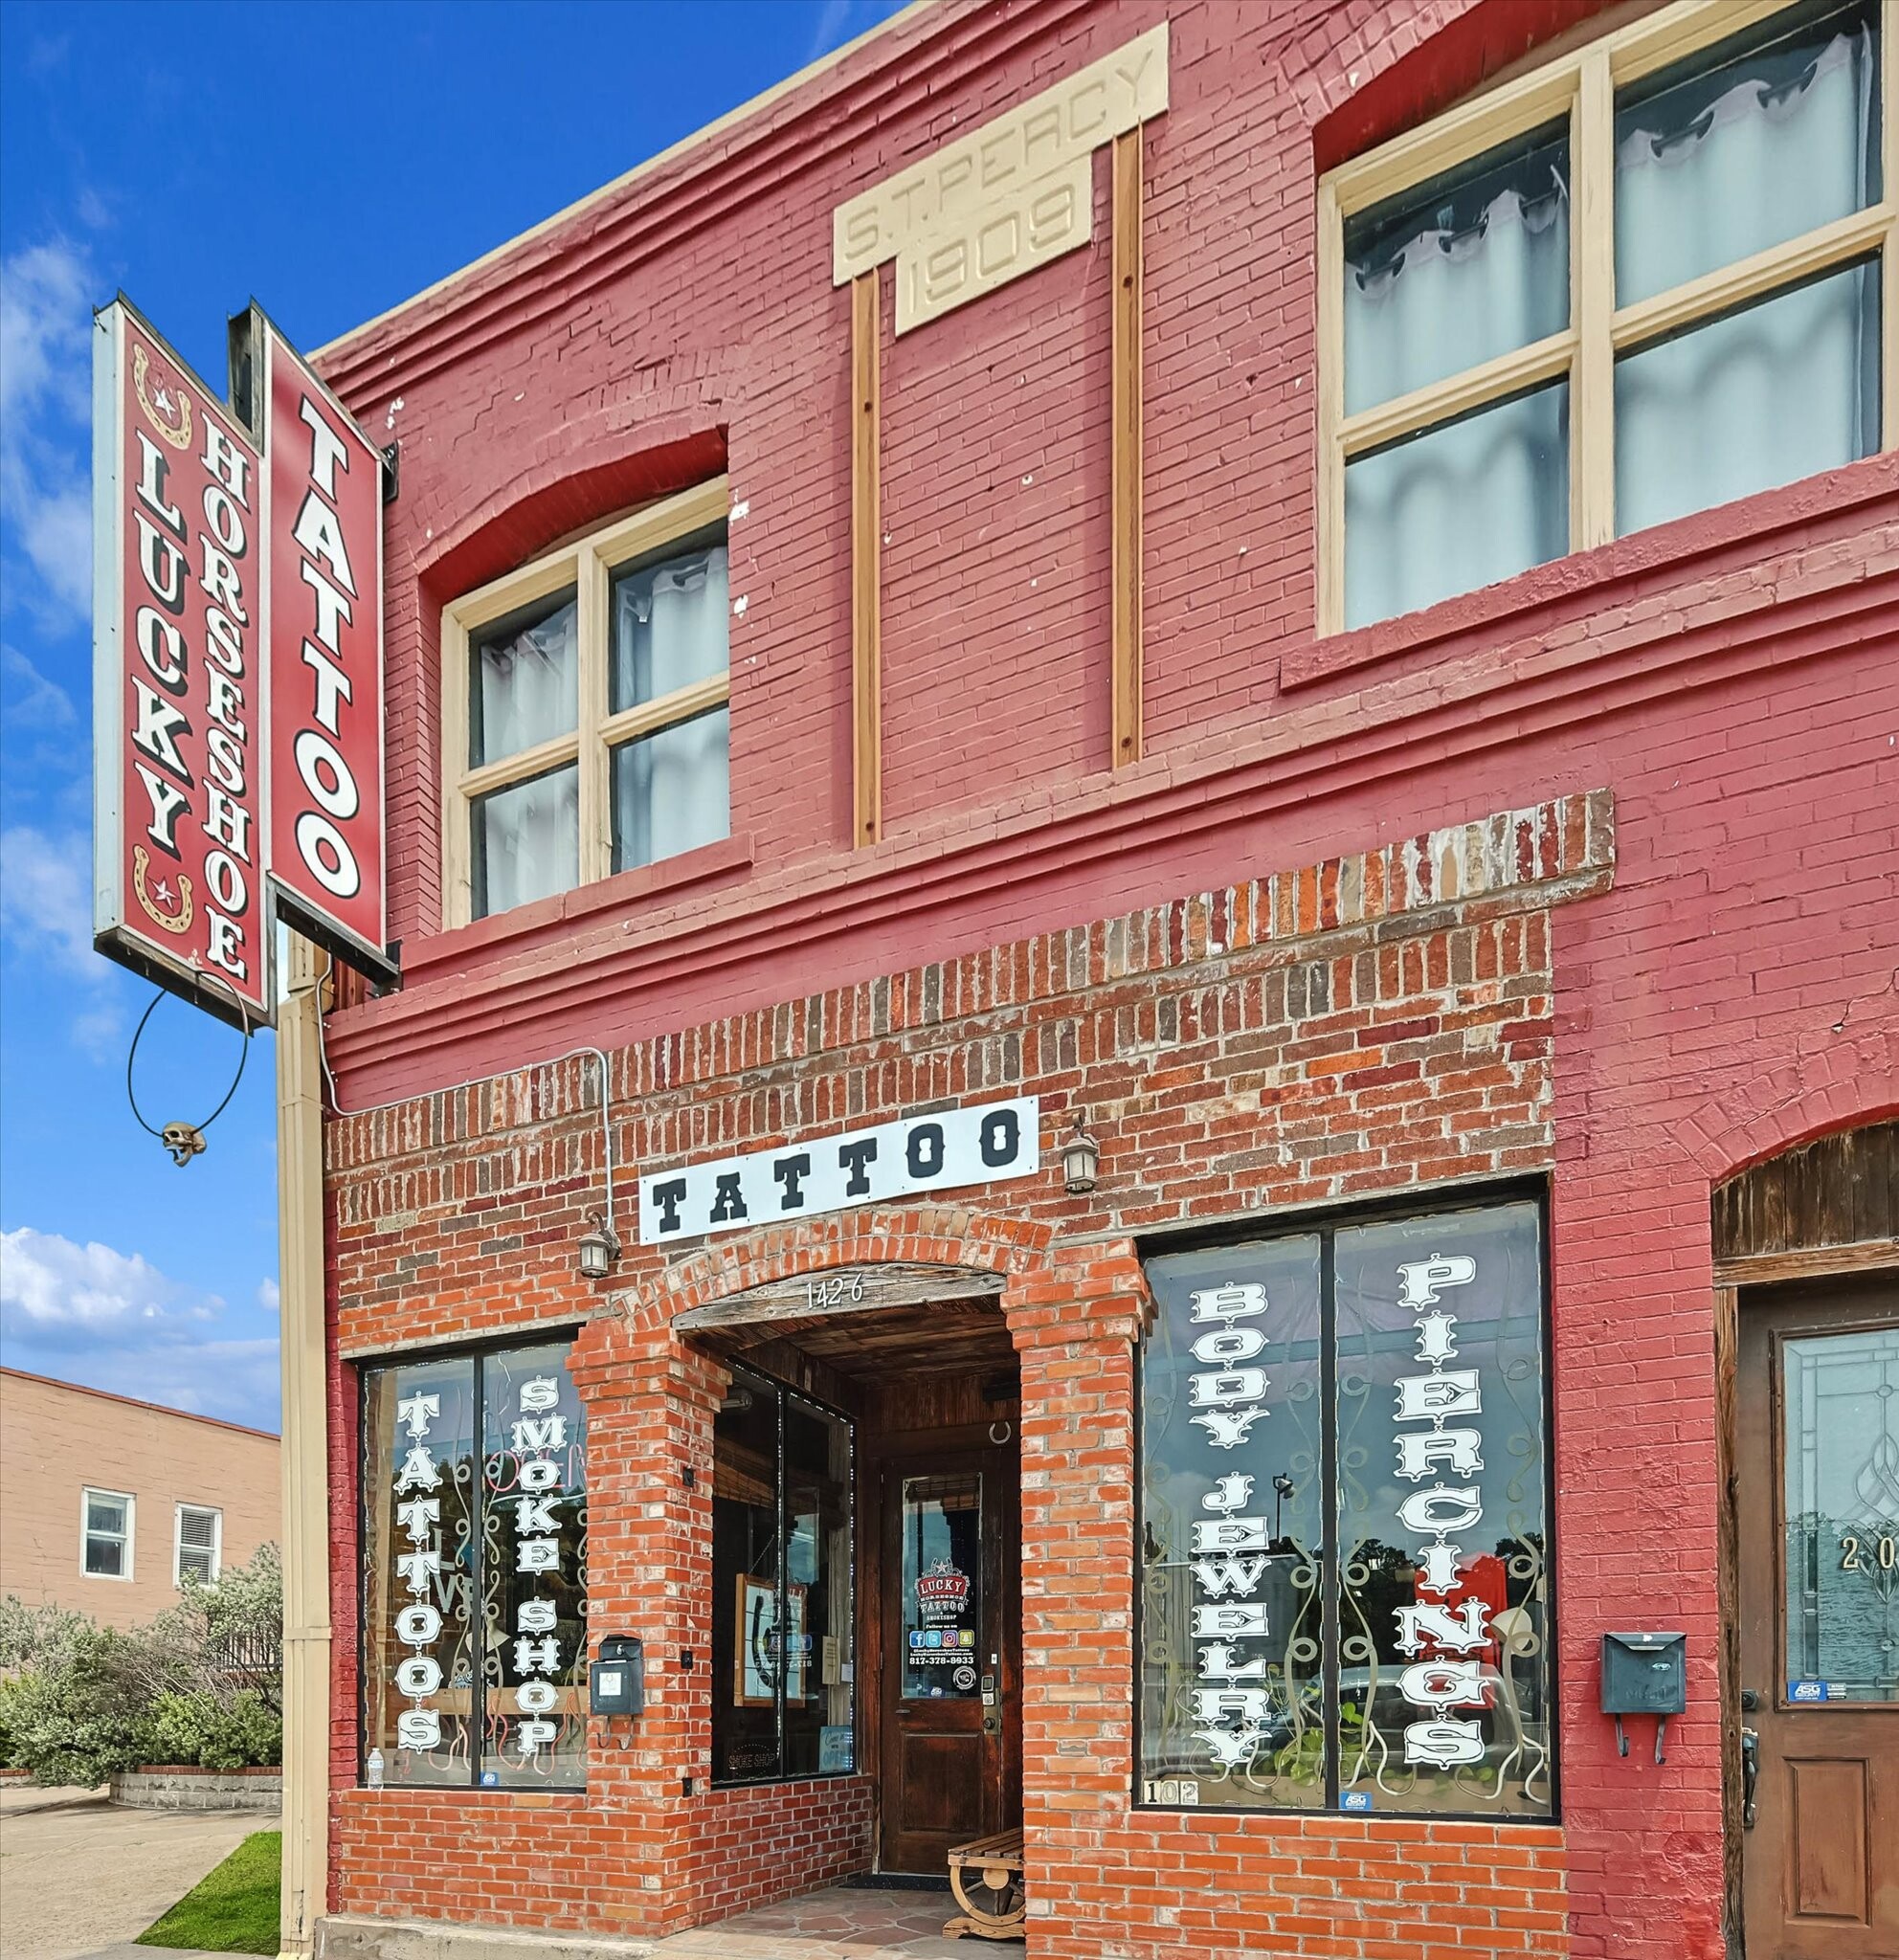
1847	1084
920	1234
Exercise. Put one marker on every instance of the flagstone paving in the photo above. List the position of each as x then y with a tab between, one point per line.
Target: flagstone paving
845	1923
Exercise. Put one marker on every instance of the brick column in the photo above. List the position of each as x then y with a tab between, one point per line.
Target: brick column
1076	1330
650	1404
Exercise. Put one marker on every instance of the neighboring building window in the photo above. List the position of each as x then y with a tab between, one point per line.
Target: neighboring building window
782	1652
200	1545
105	1534
1635	283
586	729
475	1570
1344	1559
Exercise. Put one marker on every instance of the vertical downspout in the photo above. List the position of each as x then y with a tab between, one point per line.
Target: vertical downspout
305	1456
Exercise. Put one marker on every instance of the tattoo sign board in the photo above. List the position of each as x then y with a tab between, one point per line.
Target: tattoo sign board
178	610
984	1142
325	661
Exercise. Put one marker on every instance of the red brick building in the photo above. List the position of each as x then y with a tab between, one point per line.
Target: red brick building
1090	833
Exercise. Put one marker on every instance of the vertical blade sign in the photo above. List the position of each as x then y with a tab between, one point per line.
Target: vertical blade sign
325	664
178	573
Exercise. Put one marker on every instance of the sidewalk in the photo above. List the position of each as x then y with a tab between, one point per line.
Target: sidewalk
80	1878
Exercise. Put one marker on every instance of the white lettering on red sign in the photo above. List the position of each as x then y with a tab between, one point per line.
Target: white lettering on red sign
180	571
325	661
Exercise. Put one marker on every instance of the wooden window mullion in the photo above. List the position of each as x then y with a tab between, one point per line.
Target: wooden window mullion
1593	306
1888	257
1329	500
596	837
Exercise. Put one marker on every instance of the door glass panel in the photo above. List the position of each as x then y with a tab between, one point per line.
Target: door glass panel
746	1742
1840	1447
815	1647
942	1602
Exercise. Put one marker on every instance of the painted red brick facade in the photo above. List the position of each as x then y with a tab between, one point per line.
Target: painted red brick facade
1586	877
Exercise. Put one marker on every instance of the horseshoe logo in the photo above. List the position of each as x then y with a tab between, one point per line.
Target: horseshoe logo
159	404
178	919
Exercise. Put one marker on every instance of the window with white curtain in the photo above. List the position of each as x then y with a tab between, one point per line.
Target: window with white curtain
586	709
1640	281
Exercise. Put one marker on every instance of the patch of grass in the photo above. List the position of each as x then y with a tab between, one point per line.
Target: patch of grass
234	1909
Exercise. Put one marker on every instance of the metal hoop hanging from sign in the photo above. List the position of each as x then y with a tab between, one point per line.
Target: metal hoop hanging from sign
187	1140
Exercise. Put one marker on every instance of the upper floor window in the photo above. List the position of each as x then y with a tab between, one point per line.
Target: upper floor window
199	1543
105	1534
586	729
1637	283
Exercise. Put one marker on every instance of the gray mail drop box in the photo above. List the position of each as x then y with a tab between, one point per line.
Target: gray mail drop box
1645	1674
617	1682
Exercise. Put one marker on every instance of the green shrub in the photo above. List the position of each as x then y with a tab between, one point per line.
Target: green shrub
76	1723
202	1684
240	1733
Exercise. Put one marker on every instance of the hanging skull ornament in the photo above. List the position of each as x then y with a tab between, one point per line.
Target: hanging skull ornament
184	1140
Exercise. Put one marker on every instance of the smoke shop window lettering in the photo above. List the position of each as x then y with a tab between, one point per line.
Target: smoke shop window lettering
1637	282
1345	1579
475	1570
586	728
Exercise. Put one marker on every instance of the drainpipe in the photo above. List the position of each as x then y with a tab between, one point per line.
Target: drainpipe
304	1454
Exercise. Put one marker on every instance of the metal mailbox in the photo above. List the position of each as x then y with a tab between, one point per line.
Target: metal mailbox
1645	1674
616	1683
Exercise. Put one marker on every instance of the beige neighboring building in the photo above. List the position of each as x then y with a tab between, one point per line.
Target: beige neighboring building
106	1502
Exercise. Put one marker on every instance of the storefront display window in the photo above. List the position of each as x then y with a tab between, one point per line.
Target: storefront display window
781	1586
475	1572
1345	1597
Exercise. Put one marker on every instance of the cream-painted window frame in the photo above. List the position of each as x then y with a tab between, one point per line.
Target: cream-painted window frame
1581	87
128	1539
587	565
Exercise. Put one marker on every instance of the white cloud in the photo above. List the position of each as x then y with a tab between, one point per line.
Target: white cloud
268	1296
839	21
45	400
112	1320
46	896
35	702
46	916
50	1285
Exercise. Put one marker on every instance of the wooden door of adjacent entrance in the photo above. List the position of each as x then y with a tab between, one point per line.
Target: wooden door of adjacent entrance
1818	1457
950	1625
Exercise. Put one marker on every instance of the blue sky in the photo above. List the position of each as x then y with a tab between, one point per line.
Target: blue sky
330	161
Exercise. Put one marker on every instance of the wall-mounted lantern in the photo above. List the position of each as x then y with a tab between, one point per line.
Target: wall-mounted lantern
599	1251
1081	1158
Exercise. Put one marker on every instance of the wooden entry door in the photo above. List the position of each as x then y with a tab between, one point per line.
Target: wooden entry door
1818	1515
950	1728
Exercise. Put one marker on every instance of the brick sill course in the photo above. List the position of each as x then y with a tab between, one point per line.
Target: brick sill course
1739	529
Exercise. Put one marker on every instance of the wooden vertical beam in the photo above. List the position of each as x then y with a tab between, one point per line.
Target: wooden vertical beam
1125	526
866	566
1592	303
305	1456
1888	257
1329	387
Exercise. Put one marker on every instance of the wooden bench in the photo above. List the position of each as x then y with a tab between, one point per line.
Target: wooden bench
995	1865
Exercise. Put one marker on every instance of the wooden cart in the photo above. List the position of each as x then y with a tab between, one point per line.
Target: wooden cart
986	1875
